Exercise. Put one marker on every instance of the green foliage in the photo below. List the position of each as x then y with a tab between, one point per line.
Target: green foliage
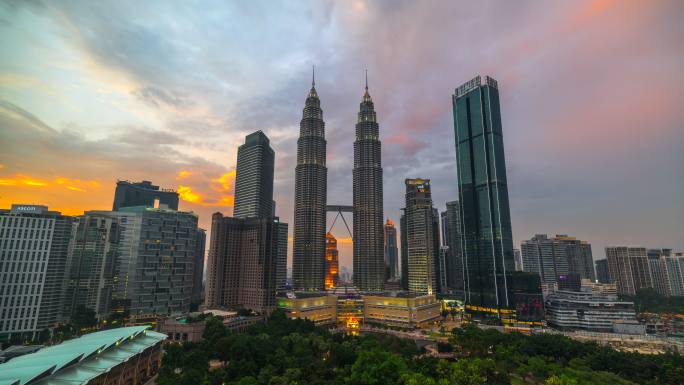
650	301
296	352
83	318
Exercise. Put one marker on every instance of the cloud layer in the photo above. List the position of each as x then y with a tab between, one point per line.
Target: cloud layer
99	91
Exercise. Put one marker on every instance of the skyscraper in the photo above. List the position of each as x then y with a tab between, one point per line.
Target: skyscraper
34	245
404	250
130	194
198	267
332	263
308	257
451	237
369	265
440	265
93	264
391	251
241	271
254	178
419	217
281	264
487	241
602	274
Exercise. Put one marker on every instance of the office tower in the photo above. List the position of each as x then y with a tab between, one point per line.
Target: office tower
391	251
308	255
602	274
34	246
436	244
404	251
451	237
241	270
332	263
486	239
422	277
254	178
281	264
129	194
93	263
198	266
526	293
517	256
156	261
369	266
666	268
629	268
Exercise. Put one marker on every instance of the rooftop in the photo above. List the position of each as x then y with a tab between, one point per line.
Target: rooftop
79	360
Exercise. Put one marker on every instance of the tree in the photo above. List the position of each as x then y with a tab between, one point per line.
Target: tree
377	367
214	330
562	380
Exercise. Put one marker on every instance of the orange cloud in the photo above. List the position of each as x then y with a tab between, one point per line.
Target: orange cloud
226	181
188	195
74	188
182	175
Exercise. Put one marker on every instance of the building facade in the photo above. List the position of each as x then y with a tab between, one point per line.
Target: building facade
332	263
391	252
34	257
567	310
131	194
560	255
404	310
451	237
320	308
486	238
198	267
93	264
420	237
241	270
602	274
404	250
308	255
254	178
629	268
368	232
281	264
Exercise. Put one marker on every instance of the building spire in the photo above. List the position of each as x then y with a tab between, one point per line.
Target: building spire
313	76
366	95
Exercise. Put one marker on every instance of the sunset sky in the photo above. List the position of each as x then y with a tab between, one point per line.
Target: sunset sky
591	100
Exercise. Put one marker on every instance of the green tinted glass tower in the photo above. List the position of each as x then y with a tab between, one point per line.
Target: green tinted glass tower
486	236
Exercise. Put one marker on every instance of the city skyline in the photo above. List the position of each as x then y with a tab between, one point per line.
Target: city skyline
180	124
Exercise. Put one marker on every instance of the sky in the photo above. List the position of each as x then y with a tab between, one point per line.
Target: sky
96	91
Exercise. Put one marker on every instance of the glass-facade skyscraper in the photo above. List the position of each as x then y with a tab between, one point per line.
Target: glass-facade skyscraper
487	241
254	178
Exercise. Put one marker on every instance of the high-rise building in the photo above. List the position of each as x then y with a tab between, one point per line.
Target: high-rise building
486	239
451	237
391	252
419	217
517	256
156	260
369	265
130	194
560	255
404	251
254	178
93	263
332	263
241	270
666	271
198	266
281	264
308	256
602	274
629	268
34	248
440	268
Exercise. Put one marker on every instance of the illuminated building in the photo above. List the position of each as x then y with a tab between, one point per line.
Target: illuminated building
486	237
321	308
331	261
349	307
420	237
369	265
405	310
308	256
242	263
391	252
254	178
132	194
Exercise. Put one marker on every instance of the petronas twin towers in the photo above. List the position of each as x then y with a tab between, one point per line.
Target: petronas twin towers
308	264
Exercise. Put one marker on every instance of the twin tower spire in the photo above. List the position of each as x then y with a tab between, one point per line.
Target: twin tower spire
308	264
